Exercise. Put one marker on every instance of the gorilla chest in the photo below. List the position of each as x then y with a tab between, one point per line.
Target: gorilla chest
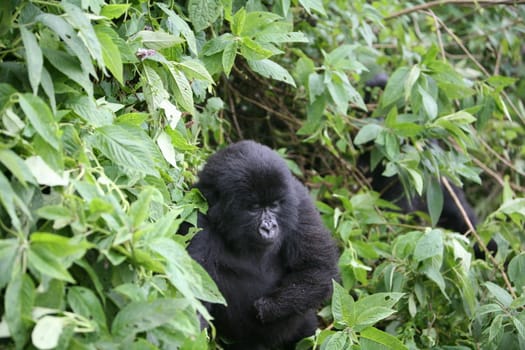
243	283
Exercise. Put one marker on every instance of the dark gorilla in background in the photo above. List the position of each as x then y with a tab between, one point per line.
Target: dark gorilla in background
391	189
263	243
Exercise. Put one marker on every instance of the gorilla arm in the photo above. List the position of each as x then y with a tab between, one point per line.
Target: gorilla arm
311	263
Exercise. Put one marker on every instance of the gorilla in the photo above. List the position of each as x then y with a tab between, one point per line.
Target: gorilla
263	243
391	189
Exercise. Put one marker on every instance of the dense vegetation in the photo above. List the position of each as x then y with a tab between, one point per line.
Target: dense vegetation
108	108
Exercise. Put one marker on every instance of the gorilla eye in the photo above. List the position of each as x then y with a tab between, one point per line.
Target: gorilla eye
254	206
275	204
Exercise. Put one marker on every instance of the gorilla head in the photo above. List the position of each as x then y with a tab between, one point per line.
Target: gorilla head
251	196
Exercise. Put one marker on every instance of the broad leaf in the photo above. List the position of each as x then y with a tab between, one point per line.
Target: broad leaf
34	58
41	118
315	5
434	200
203	13
272	70
19	301
158	40
110	51
430	245
127	147
112	11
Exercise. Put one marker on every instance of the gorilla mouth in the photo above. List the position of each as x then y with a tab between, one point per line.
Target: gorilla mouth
268	234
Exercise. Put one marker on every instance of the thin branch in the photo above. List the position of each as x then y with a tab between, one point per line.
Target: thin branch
438	33
431	4
478	239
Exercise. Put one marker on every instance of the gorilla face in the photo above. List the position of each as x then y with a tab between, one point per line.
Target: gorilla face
256	216
251	197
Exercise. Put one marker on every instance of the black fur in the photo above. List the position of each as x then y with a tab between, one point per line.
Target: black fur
263	243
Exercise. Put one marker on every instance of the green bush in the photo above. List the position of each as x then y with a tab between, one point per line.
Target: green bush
108	108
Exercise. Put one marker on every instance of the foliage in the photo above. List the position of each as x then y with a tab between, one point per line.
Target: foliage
108	108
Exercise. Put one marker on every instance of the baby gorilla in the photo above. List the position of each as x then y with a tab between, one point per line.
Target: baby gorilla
263	243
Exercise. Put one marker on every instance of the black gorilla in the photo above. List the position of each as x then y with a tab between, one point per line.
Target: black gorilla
391	189
263	243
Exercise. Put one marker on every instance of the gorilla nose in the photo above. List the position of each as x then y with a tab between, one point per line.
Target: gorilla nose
267	229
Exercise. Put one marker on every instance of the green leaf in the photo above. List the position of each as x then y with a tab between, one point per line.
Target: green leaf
316	86
367	133
87	108
49	89
179	141
59	246
429	103
257	21
183	92
110	51
496	330
19	301
383	338
411	80
272	70
73	41
432	269
154	91
69	66
238	21
34	58
228	56
126	146
44	174
139	210
434	200
417	180
430	245
217	44
54	212
112	11
11	201
47	331
184	273
195	69
203	13
516	271
158	40
86	32
41	118
177	25
501	295
254	51
372	315
45	262
134	118
316	5
342	92
338	341
501	82
342	306
6	93
394	88
166	148
8	253
460	117
84	302
16	166
137	317
280	32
